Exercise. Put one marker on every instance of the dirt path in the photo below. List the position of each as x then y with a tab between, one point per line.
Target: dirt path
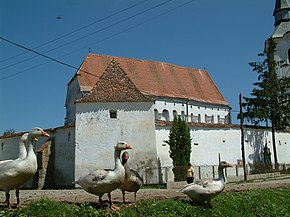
78	196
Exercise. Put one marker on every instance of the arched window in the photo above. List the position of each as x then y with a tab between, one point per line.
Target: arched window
289	55
165	115
199	118
156	114
212	119
183	115
174	113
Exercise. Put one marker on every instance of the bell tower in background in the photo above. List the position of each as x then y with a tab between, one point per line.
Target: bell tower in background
281	36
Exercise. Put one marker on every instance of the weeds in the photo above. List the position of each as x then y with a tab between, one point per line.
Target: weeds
266	203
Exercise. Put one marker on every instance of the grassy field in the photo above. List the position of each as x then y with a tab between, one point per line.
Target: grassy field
275	202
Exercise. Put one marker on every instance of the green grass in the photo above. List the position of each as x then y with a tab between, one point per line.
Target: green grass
266	203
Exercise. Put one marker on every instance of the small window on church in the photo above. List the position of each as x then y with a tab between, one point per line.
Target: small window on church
289	55
113	114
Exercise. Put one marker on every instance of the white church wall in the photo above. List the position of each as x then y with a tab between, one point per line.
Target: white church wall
97	133
73	93
191	111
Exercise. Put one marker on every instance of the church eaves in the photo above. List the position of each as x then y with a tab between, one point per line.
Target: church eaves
114	86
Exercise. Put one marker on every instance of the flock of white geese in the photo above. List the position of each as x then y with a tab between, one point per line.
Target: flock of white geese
15	173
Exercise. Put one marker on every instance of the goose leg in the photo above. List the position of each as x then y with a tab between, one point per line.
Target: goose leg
135	197
113	207
100	201
123	192
7	201
17	196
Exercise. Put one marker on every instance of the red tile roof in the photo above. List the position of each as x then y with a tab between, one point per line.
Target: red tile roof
154	78
115	86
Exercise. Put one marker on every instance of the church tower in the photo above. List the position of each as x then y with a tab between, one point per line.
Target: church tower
281	36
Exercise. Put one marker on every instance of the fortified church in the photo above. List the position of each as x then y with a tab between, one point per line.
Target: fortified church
116	98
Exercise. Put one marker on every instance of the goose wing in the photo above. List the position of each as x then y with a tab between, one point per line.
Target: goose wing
99	182
204	191
135	177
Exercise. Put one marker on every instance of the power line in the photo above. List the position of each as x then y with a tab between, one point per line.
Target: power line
74	31
104	39
85	36
43	55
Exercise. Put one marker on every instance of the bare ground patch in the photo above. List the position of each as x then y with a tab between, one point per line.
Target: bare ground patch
78	196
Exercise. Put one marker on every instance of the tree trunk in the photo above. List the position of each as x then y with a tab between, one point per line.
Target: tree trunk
274	148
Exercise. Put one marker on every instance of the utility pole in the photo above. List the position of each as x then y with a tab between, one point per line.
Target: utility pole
242	137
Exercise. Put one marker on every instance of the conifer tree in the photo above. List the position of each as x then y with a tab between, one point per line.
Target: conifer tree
180	147
270	101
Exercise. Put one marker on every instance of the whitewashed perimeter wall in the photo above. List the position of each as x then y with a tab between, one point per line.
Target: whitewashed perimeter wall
97	133
207	146
10	149
64	159
210	143
10	146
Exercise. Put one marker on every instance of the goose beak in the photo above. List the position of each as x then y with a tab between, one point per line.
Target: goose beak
128	146
230	165
43	133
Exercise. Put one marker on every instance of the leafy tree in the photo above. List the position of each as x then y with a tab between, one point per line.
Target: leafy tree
270	101
9	132
180	147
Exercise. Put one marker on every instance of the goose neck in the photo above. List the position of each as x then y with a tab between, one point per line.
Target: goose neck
221	174
22	150
117	158
30	151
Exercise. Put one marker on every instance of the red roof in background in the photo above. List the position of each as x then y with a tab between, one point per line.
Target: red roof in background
115	86
154	78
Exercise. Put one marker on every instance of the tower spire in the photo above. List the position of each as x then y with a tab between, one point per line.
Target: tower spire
281	12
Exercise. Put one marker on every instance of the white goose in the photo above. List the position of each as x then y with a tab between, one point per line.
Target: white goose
133	180
14	173
205	190
22	155
103	181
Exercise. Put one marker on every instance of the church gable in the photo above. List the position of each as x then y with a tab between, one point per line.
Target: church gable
114	86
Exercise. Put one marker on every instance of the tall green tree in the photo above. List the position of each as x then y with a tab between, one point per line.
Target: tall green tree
180	147
270	99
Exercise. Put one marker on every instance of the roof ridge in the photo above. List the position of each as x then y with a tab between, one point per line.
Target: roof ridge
144	60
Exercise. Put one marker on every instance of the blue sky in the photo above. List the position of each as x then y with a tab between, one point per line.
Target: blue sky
220	36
